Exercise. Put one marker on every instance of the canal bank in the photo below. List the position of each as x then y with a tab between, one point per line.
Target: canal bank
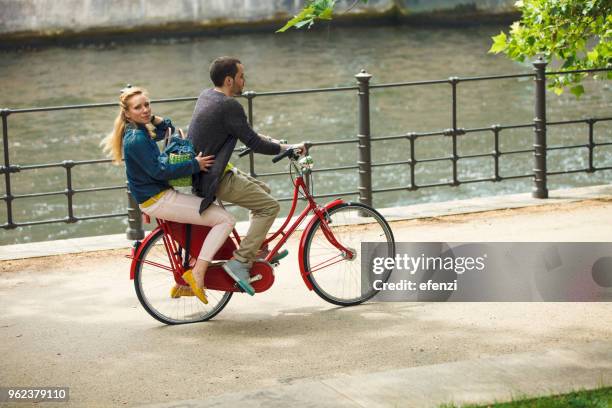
36	23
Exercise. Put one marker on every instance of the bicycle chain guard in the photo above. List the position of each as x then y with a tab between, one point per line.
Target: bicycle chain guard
262	278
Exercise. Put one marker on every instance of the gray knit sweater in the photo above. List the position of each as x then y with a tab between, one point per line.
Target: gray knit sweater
218	122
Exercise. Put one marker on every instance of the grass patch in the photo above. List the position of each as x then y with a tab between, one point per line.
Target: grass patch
599	398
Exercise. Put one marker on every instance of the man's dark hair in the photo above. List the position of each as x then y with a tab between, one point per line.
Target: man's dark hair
223	67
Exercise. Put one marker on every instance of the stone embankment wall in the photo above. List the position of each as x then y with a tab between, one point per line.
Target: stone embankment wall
39	19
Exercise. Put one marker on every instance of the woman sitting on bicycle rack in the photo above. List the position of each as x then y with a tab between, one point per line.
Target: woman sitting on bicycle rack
133	138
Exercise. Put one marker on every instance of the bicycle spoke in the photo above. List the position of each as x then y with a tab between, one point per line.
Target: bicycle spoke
158	265
318	266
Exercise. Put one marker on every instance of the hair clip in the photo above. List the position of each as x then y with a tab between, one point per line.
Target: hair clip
128	86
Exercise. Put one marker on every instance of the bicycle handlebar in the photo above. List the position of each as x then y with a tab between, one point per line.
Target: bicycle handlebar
282	155
244	152
276	158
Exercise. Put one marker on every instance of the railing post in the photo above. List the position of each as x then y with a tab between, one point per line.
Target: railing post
496	152
68	165
591	123
540	189
365	153
7	167
455	157
134	230
250	95
412	162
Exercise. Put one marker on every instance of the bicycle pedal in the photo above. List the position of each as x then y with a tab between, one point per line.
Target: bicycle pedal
256	278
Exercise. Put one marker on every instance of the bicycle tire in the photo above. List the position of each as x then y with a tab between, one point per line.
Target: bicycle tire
153	280
341	283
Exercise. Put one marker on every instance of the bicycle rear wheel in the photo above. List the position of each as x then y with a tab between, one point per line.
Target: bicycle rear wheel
153	281
336	277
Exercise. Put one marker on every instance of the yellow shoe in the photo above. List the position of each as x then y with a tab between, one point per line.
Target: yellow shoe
188	277
179	290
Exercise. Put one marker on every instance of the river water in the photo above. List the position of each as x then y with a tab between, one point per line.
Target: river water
325	58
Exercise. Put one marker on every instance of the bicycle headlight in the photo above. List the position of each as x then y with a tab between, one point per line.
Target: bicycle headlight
306	162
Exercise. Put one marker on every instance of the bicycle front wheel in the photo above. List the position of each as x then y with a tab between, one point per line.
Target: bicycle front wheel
336	276
154	280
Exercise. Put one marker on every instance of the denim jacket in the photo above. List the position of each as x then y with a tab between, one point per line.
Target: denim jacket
148	170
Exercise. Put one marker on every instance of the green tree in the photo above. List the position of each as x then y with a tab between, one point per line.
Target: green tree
572	34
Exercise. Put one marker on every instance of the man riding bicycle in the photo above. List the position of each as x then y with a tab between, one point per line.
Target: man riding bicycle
218	122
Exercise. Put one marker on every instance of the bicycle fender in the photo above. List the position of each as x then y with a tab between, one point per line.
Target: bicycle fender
136	256
313	219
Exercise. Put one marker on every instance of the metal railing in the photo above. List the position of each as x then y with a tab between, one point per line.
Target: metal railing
363	140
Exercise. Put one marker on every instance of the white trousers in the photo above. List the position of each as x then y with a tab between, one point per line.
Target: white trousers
184	208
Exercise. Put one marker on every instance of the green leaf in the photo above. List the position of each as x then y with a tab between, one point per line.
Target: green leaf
577	90
499	43
326	14
593	55
558	90
580	44
538	19
300	24
515	28
569	62
305	14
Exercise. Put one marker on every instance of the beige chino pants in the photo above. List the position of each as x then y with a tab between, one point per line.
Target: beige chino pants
241	189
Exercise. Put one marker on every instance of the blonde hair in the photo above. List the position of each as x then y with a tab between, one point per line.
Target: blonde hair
113	143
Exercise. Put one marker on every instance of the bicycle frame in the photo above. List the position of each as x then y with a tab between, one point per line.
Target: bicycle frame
319	214
312	206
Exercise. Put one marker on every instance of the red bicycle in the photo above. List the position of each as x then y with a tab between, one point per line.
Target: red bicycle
329	255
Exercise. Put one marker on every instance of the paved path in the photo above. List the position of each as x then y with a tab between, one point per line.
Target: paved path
482	380
74	320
